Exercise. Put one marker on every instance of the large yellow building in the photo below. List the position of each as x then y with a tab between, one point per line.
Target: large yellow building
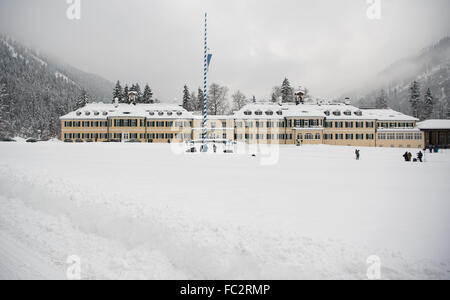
333	124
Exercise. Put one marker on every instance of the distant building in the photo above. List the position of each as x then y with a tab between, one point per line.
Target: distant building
332	124
436	132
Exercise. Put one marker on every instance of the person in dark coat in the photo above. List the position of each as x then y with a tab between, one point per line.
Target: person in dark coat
419	156
357	154
409	156
405	156
214	148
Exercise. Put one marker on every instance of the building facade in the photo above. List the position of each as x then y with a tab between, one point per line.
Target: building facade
436	133
332	124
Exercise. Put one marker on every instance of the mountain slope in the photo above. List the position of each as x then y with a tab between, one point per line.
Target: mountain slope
430	67
42	89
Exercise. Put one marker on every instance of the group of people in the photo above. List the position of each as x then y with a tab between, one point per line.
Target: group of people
408	156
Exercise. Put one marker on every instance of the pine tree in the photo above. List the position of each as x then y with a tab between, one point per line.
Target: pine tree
200	100
117	92
253	99
287	94
414	99
381	101
428	104
186	98
148	94
124	98
136	88
239	100
5	124
82	100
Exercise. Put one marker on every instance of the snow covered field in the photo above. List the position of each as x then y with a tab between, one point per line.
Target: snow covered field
144	211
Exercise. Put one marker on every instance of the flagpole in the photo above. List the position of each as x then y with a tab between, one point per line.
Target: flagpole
205	88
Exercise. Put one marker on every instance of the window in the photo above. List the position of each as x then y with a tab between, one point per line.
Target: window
418	136
348	124
299	136
409	136
369	124
118	136
68	124
238	124
178	124
133	135
347	113
392	125
248	124
369	136
247	113
259	124
339	136
159	123
338	124
359	124
327	136
86	123
279	112
169	123
328	124
169	113
349	136
151	123
169	135
269	113
391	136
224	124
399	136
308	136
336	113
270	124
382	136
327	112
281	124
358	113
67	135
258	113
359	136
317	136
160	113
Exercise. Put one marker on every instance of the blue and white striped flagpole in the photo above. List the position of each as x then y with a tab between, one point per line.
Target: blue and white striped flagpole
205	90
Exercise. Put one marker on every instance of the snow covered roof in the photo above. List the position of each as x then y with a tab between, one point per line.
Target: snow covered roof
434	124
105	110
388	115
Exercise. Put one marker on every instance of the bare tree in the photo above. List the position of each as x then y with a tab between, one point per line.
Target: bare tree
239	100
217	101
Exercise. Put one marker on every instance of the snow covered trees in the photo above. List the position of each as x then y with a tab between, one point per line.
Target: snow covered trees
147	96
200	99
414	99
118	92
82	100
287	94
381	101
428	105
239	100
5	125
124	98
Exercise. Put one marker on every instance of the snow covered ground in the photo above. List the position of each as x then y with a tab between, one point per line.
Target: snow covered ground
147	211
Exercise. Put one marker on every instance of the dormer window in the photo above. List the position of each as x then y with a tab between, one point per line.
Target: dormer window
78	113
126	112
247	113
105	113
358	113
96	113
336	113
269	112
258	113
327	113
179	113
169	113
347	113
152	113
87	113
160	113
279	112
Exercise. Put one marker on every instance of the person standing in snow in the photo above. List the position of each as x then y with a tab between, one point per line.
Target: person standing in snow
214	148
405	156
409	156
357	154
419	156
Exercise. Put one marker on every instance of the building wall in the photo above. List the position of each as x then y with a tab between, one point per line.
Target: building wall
437	137
290	130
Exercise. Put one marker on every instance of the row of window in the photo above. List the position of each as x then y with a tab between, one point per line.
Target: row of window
348	124
400	136
119	136
349	136
395	125
261	136
85	123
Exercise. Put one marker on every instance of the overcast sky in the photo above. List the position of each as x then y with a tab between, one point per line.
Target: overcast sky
328	46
